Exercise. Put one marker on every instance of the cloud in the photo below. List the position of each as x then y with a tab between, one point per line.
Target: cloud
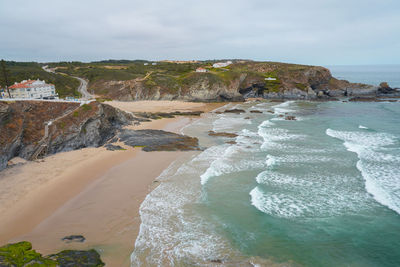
308	31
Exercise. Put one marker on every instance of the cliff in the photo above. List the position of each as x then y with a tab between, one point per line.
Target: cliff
128	81
34	129
24	132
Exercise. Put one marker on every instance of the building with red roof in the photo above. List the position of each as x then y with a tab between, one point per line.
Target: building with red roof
33	89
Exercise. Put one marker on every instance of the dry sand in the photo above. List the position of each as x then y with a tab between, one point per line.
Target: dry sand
164	106
91	192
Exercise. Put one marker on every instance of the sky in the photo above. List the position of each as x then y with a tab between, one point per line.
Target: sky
315	32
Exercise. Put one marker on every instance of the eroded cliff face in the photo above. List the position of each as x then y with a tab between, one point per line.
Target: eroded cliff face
235	83
23	127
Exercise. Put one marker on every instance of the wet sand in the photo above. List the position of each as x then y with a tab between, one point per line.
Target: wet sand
91	192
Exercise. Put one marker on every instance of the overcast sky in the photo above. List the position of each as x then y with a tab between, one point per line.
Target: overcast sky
323	32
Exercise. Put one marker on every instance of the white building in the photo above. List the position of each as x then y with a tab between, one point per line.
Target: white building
31	89
222	64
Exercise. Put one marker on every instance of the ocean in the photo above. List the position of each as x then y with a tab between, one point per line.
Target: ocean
321	190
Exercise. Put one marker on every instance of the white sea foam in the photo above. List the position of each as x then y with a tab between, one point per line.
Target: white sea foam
282	108
269	177
290	197
274	137
229	160
362	127
277	204
377	166
229	123
169	234
270	161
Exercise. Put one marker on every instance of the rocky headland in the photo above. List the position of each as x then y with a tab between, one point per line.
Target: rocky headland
136	80
34	129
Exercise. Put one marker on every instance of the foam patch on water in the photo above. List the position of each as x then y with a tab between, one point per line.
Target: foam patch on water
229	123
230	160
362	127
282	108
377	165
274	137
290	197
170	233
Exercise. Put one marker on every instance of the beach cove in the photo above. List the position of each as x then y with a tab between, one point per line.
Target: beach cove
92	192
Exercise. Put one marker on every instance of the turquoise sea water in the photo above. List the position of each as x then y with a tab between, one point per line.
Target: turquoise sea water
372	74
323	190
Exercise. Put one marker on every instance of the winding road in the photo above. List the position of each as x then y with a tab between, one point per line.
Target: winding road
82	87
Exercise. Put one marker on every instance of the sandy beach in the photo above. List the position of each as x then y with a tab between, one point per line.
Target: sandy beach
91	192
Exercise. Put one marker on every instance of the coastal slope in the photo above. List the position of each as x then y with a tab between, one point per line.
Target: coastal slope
200	81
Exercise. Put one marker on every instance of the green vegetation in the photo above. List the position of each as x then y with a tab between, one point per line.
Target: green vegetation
18	71
171	78
86	107
301	86
61	125
103	99
21	254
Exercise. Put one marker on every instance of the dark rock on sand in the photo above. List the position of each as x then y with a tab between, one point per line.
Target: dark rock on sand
78	258
158	140
112	147
74	238
231	135
235	110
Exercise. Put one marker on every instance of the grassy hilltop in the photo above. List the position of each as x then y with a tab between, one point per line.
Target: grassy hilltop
131	80
139	79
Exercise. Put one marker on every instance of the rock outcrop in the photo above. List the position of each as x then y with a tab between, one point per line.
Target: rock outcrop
385	90
25	129
158	140
22	254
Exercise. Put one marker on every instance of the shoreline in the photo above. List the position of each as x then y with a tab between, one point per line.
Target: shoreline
87	192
